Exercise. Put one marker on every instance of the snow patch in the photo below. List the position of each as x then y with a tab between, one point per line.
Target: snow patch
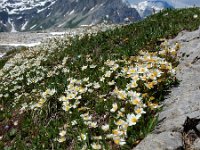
21	44
38	11
62	24
153	6
92	9
84	8
48	14
71	12
57	33
33	26
24	26
12	25
19	17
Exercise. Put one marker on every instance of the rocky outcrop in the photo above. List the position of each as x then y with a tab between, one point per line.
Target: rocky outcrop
179	120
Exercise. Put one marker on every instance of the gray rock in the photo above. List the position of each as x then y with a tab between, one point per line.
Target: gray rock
162	141
183	101
198	127
196	145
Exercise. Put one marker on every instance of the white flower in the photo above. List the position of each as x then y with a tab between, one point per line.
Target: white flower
117	132
108	74
6	95
71	95
86	116
121	95
109	63
61	139
65	70
143	69
89	59
132	119
131	70
195	16
105	127
96	146
114	107
74	122
119	141
96	85
120	122
133	94
90	90
102	79
63	98
62	133
84	67
93	124
93	66
109	136
52	92
41	102
64	60
111	83
83	137
15	123
66	106
86	79
139	111
133	84
115	67
97	137
49	92
136	101
84	147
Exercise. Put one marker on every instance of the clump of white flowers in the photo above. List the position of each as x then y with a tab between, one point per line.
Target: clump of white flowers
108	100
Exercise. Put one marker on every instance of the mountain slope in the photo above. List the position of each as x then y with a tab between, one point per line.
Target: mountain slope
21	15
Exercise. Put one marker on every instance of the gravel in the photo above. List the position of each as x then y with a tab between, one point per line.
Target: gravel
9	41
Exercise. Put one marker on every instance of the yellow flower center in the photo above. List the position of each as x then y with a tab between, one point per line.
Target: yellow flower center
134	120
117	141
138	111
136	101
115	132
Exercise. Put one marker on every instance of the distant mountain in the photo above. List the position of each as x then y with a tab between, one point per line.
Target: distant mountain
23	15
150	7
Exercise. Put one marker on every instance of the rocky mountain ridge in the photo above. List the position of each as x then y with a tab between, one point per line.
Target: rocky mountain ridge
43	14
21	15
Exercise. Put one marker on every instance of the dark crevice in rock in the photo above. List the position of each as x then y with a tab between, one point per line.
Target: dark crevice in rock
190	132
183	40
196	59
180	148
190	124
